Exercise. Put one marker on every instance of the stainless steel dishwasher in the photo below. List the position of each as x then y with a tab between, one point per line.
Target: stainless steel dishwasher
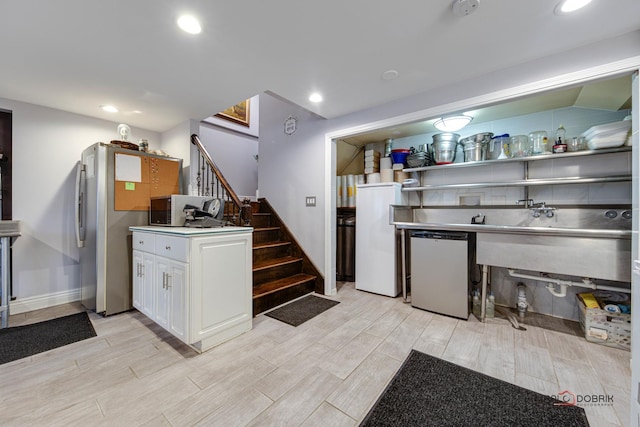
441	263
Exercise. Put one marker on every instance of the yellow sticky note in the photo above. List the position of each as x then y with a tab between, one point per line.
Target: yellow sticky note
130	186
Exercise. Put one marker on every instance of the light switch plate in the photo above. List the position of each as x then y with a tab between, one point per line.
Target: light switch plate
311	200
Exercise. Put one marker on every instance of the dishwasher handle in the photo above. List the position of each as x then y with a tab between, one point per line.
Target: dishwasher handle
440	235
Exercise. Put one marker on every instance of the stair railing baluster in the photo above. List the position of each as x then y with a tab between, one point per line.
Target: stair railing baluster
220	185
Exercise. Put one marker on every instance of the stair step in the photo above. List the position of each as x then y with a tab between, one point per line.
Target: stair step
261	220
267	234
275	262
274	269
277	285
277	292
270	250
265	245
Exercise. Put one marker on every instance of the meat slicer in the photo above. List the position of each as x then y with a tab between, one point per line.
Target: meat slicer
210	214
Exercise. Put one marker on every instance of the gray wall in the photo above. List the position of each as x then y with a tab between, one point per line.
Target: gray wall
47	143
293	167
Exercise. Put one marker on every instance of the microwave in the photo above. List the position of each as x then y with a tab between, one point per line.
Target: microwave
168	210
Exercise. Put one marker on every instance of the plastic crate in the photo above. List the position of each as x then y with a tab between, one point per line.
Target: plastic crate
603	327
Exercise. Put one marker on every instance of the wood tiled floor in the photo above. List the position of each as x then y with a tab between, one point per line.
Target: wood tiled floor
327	372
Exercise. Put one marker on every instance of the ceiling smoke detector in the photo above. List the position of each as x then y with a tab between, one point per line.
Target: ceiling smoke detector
465	7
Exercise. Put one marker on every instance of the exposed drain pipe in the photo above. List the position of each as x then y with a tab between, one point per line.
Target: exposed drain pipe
522	303
551	287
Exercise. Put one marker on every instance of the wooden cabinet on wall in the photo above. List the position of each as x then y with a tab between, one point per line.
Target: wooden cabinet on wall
195	283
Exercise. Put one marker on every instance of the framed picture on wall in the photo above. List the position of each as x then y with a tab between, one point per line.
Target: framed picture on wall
239	113
243	117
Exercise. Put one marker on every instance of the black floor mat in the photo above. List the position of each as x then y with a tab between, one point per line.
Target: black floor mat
299	311
21	341
428	391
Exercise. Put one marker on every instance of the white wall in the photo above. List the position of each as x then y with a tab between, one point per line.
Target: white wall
234	154
47	143
291	168
177	142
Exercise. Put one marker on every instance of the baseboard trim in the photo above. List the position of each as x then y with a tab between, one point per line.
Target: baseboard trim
38	302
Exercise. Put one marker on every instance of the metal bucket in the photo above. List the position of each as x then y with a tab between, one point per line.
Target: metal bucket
474	151
444	147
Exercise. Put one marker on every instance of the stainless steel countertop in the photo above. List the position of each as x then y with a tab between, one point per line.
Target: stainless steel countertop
539	231
10	229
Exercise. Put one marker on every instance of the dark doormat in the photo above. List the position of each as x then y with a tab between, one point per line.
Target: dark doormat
21	341
428	391
299	311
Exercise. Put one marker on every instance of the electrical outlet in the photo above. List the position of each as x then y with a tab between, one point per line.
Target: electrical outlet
311	200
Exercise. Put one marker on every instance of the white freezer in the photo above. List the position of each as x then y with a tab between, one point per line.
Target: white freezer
377	268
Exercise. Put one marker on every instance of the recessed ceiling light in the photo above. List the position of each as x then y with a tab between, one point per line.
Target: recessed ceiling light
464	7
315	97
109	108
567	6
189	24
389	75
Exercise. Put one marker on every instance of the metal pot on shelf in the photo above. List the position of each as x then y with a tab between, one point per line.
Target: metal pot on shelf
475	146
443	147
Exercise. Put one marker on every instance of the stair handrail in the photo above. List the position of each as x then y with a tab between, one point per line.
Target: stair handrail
244	206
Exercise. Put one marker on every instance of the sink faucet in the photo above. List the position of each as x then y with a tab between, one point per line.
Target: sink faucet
539	208
478	219
525	202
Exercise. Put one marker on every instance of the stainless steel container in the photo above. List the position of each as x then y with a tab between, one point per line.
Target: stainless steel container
474	151
475	146
444	147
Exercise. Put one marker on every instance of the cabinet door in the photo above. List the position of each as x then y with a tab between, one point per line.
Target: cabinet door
148	284
171	296
177	281
162	272
137	279
143	282
220	284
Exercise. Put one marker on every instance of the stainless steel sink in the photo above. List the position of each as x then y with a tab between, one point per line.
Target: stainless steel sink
592	257
584	241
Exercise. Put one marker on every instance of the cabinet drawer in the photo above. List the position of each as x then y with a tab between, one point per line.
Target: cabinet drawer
144	241
172	247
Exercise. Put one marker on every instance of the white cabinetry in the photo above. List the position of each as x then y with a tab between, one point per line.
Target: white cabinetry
196	284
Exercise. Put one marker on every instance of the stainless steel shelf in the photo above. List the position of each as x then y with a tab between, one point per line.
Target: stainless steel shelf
521	159
524	182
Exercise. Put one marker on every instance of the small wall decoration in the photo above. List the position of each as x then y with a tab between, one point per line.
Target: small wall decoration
239	113
290	125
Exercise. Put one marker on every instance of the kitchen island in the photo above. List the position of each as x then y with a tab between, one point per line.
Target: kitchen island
194	282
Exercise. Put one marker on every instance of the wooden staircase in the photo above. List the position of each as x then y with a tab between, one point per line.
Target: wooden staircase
281	270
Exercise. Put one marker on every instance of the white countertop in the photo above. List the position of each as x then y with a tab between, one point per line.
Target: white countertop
190	231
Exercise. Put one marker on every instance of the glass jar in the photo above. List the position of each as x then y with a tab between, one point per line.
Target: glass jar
519	146
539	142
577	144
498	146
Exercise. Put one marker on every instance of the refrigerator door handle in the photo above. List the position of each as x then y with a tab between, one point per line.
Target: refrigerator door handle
79	209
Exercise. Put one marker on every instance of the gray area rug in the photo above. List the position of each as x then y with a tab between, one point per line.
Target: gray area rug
299	311
428	391
22	341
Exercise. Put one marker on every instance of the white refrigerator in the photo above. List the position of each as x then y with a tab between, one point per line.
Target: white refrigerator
377	266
